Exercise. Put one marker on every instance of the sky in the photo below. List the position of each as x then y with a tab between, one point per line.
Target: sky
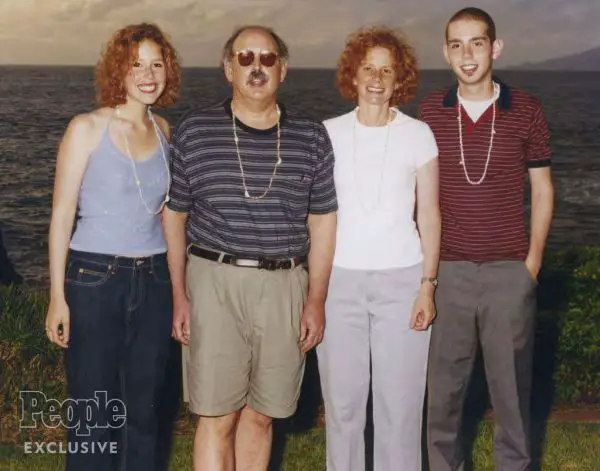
73	32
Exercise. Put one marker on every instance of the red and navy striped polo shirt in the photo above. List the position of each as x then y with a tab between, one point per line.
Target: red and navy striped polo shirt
486	222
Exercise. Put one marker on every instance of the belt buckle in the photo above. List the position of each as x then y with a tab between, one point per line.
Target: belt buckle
267	264
244	262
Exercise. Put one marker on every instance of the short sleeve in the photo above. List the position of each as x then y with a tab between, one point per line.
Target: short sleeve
323	198
179	196
537	149
426	148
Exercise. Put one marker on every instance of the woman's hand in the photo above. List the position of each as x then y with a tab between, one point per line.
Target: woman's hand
423	312
57	322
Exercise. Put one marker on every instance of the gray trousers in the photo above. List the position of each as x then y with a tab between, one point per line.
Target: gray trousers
494	303
368	315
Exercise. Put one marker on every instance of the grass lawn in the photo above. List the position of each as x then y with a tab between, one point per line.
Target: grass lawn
568	447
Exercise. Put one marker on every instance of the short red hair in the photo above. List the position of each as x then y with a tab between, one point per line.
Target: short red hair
118	56
405	62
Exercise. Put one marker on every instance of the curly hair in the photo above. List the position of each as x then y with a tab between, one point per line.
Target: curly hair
405	62
118	56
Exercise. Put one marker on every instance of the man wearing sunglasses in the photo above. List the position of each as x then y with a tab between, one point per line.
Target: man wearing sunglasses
253	198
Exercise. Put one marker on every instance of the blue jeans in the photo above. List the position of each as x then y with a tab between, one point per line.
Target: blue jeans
120	328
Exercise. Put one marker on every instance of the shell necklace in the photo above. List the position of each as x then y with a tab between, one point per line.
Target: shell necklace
382	169
237	149
492	133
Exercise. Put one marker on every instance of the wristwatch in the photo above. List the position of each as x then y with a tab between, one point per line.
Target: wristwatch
433	281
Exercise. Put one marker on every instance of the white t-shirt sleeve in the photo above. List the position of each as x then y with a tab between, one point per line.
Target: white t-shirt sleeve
426	148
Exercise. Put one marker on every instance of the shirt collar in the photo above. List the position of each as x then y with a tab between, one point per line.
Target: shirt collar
282	118
504	101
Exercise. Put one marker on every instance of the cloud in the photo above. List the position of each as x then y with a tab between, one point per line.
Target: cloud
73	31
99	9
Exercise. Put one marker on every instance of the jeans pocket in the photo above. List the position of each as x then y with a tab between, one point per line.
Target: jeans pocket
87	273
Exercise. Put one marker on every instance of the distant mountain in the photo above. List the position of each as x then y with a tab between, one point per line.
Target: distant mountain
584	61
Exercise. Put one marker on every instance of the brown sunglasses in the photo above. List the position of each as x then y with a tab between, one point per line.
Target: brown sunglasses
246	57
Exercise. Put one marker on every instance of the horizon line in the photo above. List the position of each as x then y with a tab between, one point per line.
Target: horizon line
510	68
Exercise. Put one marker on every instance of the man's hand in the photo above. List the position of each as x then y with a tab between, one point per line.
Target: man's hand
533	266
542	207
181	320
312	326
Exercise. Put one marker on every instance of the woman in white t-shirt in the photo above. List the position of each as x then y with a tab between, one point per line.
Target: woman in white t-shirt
381	295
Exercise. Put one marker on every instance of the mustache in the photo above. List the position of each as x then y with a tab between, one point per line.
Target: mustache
257	74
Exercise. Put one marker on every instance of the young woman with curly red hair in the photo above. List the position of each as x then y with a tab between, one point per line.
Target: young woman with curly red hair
380	302
111	301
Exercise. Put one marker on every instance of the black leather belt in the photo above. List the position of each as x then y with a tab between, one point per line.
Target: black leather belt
261	263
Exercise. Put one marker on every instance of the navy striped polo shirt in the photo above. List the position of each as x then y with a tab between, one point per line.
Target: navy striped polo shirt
207	182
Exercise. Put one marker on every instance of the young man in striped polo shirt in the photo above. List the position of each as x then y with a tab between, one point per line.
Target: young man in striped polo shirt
253	180
489	137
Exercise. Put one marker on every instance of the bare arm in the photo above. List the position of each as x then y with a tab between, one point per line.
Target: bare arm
429	226
72	159
542	207
322	230
174	222
174	226
71	162
429	219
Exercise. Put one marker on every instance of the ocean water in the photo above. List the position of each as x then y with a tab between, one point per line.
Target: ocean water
36	104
